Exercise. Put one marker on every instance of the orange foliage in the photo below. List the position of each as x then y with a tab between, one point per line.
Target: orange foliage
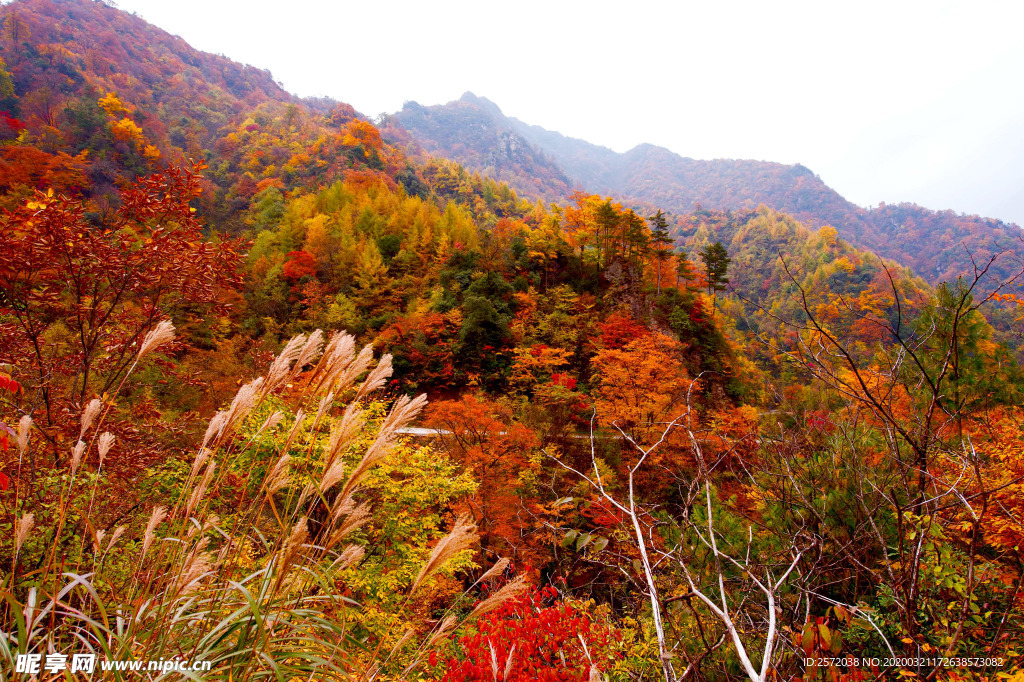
360	132
641	385
484	437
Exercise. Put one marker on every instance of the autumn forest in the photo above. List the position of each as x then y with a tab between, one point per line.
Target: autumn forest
310	396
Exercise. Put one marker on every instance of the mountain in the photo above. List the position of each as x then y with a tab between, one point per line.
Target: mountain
474	131
99	96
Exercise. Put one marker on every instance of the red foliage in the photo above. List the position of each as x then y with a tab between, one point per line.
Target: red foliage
12	124
566	380
108	284
602	513
618	331
300	264
533	642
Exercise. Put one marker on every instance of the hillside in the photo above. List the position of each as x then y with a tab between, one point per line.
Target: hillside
930	242
285	396
100	95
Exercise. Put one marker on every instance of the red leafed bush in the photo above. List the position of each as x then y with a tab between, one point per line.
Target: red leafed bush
619	330
566	380
300	264
534	637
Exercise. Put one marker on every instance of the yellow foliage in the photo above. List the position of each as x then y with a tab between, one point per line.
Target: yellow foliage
113	106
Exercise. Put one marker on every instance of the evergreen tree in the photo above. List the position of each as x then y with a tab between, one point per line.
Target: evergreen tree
683	272
660	240
716	266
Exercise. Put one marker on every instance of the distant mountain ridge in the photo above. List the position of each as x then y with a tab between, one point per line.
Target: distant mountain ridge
938	245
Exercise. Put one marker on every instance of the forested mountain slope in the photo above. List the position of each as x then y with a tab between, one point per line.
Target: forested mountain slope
207	374
932	243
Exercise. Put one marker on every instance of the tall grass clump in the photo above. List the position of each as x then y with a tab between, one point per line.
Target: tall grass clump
301	539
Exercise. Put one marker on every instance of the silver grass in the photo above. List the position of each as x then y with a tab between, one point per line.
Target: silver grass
513	588
377	377
290	551
89	415
404	411
199	461
345	375
325	403
350	556
243	402
310	351
158	336
24	430
279	476
215	427
155	519
22	527
77	454
115	536
271	422
461	537
200	489
280	368
498	568
332	475
294	432
106	441
97	540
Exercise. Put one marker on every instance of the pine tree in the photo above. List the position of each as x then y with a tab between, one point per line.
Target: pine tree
683	272
660	240
716	266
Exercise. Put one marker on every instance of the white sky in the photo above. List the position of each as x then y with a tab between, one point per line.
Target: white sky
887	101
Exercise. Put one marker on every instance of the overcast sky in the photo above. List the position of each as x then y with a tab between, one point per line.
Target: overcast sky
886	101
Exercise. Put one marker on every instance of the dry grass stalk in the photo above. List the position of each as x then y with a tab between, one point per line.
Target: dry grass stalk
447	625
89	415
271	422
279	475
595	675
22	527
158	336
198	462
354	519
155	519
104	444
296	539
402	641
280	368
215	428
344	374
77	453
333	473
377	378
325	403
461	537
508	662
337	355
404	411
115	536
242	404
512	589
299	416
304	495
24	429
498	568
351	555
97	541
197	564
200	489
344	431
310	352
